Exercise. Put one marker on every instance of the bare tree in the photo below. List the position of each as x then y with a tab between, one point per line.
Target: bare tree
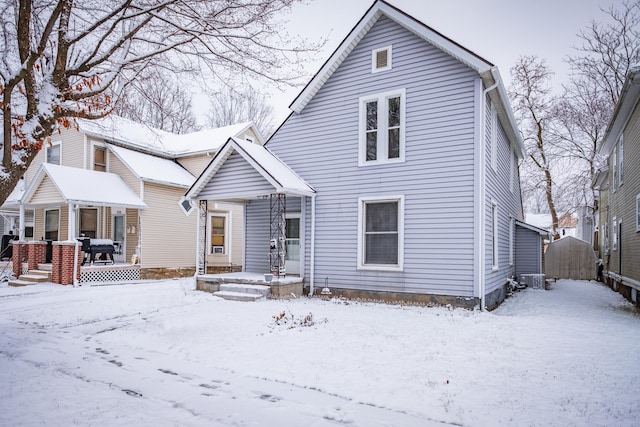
231	106
608	50
533	103
158	100
64	59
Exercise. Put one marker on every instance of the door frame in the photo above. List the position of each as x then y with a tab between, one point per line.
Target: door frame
122	256
294	215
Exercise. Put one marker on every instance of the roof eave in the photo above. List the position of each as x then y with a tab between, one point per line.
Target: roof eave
629	97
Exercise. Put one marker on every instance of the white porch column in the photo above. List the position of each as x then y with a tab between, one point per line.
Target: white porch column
71	228
21	230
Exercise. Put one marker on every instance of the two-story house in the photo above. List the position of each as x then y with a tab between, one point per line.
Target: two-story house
394	177
619	193
120	180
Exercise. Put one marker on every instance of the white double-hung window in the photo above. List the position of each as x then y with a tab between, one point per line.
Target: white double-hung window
381	233
382	124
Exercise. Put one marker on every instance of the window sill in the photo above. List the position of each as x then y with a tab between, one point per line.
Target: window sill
390	268
495	268
380	162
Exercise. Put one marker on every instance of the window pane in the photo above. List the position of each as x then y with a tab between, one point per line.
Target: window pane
394	143
292	228
381	216
51	221
99	159
53	154
394	112
89	222
372	145
217	234
381	249
372	115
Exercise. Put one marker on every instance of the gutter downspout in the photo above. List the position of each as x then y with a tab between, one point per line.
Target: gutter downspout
482	240
313	245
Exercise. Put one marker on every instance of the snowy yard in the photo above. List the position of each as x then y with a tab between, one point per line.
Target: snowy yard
163	354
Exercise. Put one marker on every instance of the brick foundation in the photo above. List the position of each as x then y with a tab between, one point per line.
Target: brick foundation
63	261
19	255
37	253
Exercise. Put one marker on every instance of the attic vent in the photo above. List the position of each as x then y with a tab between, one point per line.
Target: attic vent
381	59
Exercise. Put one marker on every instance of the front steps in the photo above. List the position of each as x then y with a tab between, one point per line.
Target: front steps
31	278
242	292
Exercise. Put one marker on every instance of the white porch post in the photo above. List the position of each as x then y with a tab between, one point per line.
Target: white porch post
71	228
21	230
201	267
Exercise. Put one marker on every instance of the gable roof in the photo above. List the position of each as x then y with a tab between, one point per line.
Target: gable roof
629	98
152	168
487	71
84	187
271	168
142	137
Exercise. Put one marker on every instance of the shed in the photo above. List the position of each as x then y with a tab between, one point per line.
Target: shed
529	249
571	258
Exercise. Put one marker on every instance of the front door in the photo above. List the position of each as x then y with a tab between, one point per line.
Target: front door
292	244
118	237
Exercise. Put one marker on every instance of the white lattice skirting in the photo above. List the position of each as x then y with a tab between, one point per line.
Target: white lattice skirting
115	274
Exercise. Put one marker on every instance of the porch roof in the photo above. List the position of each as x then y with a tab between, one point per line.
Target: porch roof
275	172
79	186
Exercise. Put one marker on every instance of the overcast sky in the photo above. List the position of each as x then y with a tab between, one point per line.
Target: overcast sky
498	30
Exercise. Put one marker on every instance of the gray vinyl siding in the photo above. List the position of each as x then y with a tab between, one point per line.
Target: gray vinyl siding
508	203
622	205
528	252
436	180
234	178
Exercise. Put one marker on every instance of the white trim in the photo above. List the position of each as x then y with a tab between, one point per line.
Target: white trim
399	199
382	134
494	137
614	234
638	212
620	161
512	227
495	261
374	60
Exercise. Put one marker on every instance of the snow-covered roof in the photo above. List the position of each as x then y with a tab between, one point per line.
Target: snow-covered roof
275	171
154	169
85	187
13	201
156	141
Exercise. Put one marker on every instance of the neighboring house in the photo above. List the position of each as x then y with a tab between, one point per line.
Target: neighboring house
117	179
567	224
399	164
619	192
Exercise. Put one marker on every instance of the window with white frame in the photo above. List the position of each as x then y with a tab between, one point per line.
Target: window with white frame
512	170
218	235
638	212
51	224
620	161
88	225
380	233
512	225
100	158
614	168
614	233
382	124
53	152
494	234
381	59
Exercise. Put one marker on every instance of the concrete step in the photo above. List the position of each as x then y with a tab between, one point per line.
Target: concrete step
238	296
44	273
18	282
35	278
245	288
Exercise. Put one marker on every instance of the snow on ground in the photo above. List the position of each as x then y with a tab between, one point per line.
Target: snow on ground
162	353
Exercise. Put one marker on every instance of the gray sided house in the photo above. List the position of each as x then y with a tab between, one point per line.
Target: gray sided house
399	167
618	183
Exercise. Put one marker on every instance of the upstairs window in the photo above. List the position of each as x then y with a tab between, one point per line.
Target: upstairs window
381	59
620	161
99	158
382	123
52	152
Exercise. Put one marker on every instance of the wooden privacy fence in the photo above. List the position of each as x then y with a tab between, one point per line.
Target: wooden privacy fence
570	258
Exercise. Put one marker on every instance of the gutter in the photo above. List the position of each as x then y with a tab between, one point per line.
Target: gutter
313	245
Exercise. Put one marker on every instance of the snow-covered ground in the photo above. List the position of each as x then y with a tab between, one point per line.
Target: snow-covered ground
162	353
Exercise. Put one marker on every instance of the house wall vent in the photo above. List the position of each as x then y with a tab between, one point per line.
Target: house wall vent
381	59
